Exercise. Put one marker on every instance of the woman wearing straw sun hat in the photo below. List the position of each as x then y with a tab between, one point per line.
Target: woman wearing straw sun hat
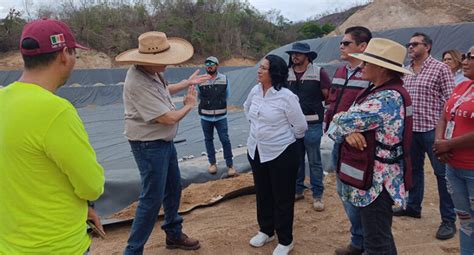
151	123
376	134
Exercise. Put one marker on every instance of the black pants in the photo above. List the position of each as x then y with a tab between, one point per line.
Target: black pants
376	221
275	182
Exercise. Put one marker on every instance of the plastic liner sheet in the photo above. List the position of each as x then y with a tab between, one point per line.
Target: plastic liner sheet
104	125
100	77
445	37
101	109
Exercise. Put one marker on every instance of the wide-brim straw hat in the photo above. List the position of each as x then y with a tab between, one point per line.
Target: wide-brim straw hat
154	48
385	53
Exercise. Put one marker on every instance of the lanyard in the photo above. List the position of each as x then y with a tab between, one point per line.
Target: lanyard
466	96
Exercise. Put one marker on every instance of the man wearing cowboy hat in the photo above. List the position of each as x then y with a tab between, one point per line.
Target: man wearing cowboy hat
310	83
151	123
48	168
213	96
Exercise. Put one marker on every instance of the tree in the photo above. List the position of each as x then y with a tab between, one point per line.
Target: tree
310	30
328	28
11	27
214	27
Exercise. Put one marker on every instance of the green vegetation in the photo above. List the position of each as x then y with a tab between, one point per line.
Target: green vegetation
215	27
313	30
10	31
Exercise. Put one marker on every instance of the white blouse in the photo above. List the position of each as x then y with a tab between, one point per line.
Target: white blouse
276	121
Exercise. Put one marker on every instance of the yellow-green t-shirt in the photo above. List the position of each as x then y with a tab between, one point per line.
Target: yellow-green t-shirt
48	171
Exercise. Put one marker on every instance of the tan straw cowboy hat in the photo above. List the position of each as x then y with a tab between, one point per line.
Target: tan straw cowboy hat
154	48
385	53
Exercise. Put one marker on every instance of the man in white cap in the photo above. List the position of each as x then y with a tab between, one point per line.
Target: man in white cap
213	96
151	123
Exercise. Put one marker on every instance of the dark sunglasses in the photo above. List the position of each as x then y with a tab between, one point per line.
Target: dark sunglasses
210	64
467	56
346	43
414	44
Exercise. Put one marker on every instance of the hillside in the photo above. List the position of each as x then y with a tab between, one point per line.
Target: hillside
339	17
245	45
85	59
388	14
94	59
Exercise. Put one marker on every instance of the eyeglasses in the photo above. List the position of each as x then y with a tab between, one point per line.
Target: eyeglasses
346	43
467	56
210	64
414	44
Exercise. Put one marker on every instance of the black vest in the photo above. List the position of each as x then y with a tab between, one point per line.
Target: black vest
213	97
308	90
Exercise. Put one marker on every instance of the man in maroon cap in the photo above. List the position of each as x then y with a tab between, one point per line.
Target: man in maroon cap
48	169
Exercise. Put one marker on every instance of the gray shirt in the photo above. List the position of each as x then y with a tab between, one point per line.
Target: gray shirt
145	98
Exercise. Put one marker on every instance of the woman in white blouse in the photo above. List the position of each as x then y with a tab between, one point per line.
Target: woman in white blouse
276	122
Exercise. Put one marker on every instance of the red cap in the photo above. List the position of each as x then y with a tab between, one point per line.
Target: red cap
51	35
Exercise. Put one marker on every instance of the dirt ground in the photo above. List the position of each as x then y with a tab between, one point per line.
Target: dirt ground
227	227
94	59
85	59
199	195
388	14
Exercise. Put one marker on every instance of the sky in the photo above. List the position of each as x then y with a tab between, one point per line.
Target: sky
293	10
300	10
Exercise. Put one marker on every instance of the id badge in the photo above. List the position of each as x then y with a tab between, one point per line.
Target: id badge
448	133
331	130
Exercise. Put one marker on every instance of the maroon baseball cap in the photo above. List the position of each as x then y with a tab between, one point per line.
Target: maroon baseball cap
51	35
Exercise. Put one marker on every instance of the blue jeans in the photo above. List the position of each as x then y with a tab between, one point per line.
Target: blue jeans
352	212
376	221
423	143
461	188
222	132
311	145
161	182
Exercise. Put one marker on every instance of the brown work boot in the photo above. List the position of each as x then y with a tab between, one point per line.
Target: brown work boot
231	171
299	196
184	243
348	250
212	169
318	204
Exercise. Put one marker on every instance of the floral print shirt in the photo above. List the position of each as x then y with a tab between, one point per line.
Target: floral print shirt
383	112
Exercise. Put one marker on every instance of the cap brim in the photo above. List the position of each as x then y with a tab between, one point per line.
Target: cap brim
179	52
381	63
79	46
